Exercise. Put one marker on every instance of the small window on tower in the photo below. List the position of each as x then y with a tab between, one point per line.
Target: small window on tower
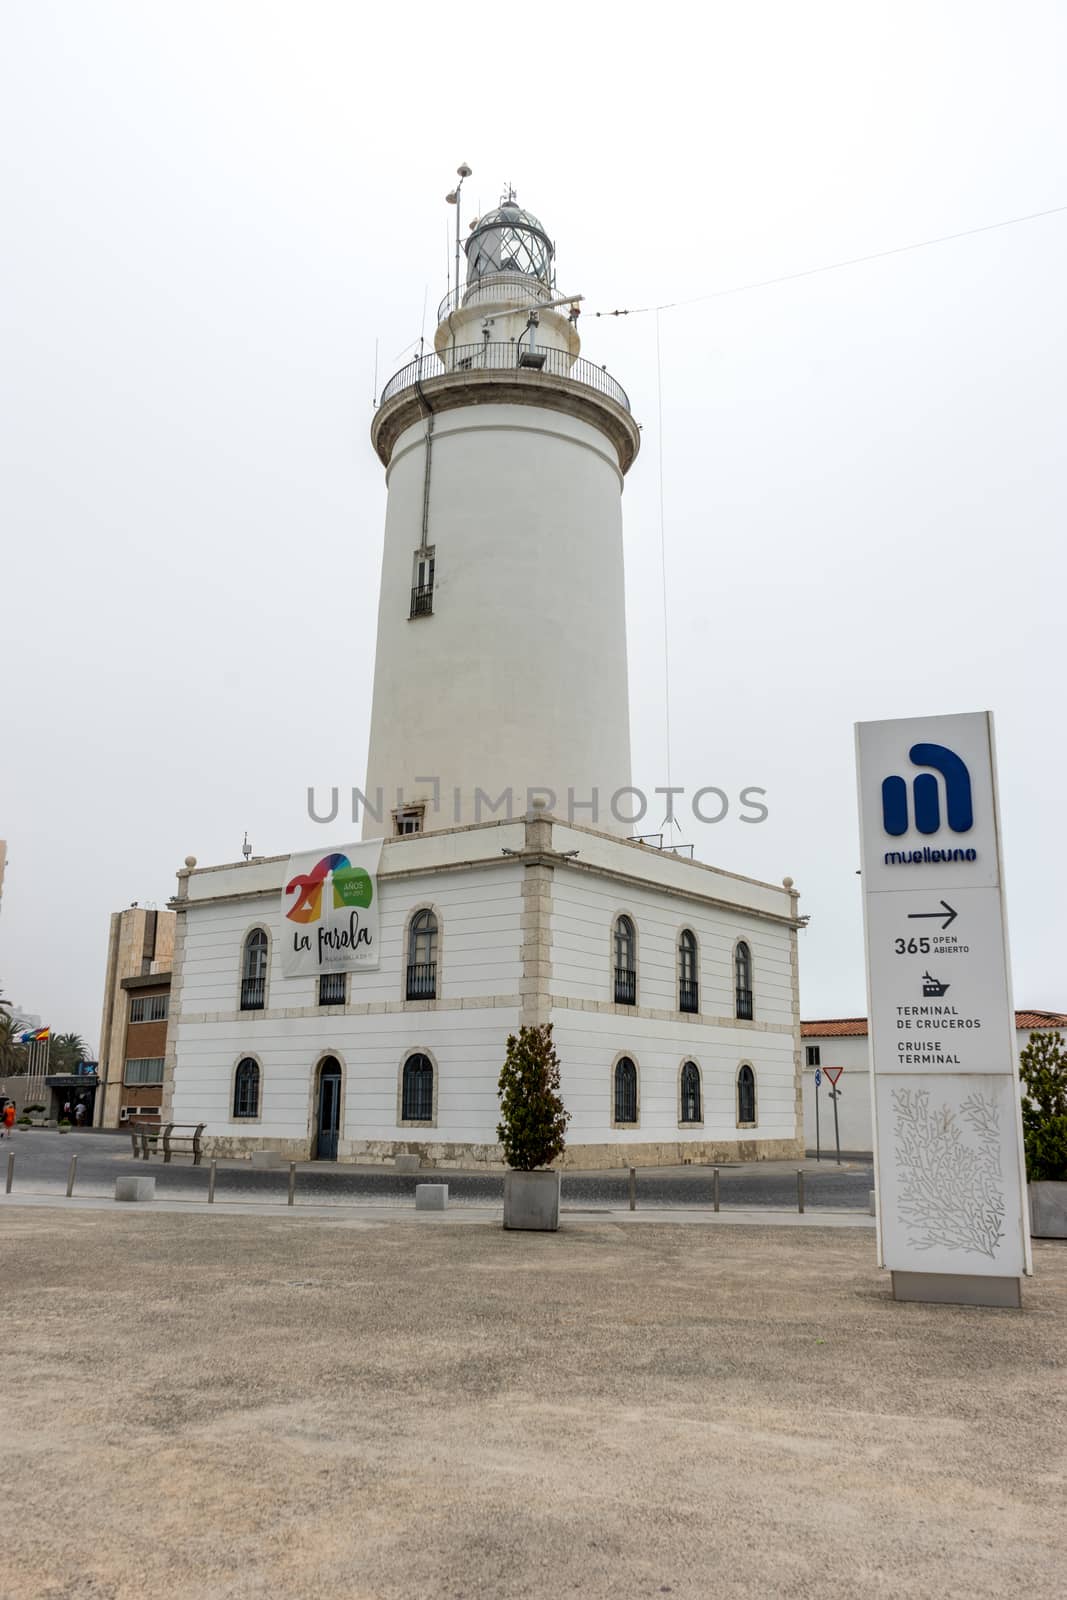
422	585
409	819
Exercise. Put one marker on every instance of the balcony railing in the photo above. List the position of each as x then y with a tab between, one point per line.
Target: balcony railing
688	994
625	986
332	989
422	980
743	1008
421	600
253	993
505	358
516	289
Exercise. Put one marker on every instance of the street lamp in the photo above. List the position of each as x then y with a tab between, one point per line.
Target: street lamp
453	197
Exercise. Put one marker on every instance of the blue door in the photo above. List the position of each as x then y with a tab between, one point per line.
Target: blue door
329	1117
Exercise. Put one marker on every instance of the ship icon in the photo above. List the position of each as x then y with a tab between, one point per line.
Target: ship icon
932	990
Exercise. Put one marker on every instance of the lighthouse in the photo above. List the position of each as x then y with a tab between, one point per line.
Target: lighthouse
500	673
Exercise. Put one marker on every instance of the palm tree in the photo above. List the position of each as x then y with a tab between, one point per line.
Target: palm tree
14	1058
65	1052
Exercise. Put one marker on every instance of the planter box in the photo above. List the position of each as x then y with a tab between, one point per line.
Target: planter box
1048	1209
531	1200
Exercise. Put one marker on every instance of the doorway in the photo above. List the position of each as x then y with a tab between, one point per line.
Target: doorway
328	1123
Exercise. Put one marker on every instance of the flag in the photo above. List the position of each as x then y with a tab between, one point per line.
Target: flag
32	1036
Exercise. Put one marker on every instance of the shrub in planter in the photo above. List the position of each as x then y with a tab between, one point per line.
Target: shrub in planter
1043	1069
532	1129
64	1127
24	1122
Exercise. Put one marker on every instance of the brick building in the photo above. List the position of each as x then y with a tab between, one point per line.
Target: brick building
133	1029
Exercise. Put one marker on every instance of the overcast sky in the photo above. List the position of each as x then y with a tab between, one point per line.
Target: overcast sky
213	211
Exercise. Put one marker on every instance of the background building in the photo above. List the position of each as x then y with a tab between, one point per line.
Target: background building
133	1027
842	1042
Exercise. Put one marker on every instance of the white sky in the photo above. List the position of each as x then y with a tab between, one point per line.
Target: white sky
213	210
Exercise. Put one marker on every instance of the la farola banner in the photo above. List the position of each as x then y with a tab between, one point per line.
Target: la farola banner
330	911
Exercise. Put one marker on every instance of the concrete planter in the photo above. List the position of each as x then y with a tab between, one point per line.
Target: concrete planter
1048	1209
531	1200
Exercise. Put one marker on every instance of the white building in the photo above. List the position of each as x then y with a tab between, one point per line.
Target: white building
507	890
842	1042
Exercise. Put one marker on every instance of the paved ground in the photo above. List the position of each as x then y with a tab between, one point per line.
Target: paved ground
224	1407
42	1160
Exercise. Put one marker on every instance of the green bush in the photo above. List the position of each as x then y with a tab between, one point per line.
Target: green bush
533	1121
29	1110
64	1126
1043	1069
24	1122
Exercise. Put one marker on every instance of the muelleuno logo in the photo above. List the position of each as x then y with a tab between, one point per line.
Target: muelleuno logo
949	770
330	911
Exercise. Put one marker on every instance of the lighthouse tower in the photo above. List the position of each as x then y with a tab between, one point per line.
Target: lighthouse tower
500	674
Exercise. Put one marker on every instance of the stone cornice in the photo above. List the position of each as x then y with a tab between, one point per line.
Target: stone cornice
452	390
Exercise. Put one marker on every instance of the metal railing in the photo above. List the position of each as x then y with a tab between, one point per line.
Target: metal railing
422	980
743	1007
504	358
517	287
625	986
421	600
688	994
331	989
253	993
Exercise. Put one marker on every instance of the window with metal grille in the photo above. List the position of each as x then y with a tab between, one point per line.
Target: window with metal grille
746	1094
422	957
743	982
625	1090
691	1093
625	939
417	1098
814	1055
688	988
246	1089
149	1007
331	989
143	1069
422	585
254	972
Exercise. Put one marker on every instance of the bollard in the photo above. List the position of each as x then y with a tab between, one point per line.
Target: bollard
715	1188
72	1175
800	1190
211	1183
10	1171
633	1188
292	1182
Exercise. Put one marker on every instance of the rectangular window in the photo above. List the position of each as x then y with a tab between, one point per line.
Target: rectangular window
813	1055
149	1007
331	989
408	820
143	1069
422	585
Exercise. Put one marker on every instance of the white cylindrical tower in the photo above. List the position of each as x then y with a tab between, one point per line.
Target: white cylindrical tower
501	656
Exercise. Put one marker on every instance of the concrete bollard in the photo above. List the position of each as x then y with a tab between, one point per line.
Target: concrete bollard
135	1188
800	1190
10	1171
212	1170
431	1197
73	1173
292	1184
871	1203
633	1188
715	1188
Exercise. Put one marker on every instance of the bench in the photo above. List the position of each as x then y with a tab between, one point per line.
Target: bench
180	1137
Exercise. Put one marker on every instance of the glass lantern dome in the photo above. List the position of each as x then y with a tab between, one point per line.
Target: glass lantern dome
508	240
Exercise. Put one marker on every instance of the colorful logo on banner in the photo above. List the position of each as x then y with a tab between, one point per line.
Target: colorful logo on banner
330	911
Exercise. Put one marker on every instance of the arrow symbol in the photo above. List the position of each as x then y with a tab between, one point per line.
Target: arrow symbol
951	917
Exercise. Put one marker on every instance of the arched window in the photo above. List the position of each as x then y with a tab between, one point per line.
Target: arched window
625	1090
688	987
254	972
625	940
691	1110
417	1097
422	957
246	1089
743	981
746	1094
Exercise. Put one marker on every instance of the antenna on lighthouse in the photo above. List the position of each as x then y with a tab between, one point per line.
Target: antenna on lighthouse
246	848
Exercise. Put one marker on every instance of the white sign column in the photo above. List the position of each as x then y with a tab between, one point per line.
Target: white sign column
952	1217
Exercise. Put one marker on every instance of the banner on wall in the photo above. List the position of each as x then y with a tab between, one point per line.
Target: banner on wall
330	911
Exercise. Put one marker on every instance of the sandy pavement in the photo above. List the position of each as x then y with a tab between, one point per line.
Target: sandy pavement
225	1407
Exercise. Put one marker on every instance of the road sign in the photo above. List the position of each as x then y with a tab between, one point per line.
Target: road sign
948	1136
818	1076
833	1073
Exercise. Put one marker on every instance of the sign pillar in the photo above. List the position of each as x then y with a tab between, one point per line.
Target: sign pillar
952	1214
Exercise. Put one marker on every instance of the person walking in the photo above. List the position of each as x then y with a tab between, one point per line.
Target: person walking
8	1119
79	1113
